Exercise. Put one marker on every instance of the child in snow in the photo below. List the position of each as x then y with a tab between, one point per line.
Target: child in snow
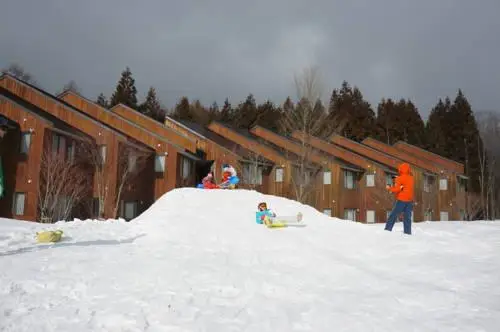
228	172
264	215
208	181
230	169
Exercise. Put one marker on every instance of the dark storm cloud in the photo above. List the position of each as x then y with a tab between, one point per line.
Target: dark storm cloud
212	49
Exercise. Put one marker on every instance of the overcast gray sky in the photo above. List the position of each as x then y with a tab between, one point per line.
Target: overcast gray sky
212	49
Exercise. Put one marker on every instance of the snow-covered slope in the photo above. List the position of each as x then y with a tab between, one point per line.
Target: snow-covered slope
197	261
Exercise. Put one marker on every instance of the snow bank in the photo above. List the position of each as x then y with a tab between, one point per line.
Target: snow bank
196	261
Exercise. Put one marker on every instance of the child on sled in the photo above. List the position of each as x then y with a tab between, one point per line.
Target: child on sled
208	181
268	217
228	173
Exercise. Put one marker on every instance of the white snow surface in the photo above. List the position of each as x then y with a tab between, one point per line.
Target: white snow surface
197	261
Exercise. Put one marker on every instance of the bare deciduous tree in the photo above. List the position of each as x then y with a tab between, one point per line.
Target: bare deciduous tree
379	193
252	176
474	206
131	161
489	127
64	185
19	72
70	86
430	196
308	117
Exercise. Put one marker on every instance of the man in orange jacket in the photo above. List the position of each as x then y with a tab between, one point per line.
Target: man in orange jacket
403	190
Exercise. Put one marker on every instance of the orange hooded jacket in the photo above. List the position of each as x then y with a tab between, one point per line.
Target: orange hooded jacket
403	187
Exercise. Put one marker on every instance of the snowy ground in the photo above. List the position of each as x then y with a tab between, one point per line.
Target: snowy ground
196	261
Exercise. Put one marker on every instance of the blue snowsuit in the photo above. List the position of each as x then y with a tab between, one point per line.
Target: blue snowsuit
259	215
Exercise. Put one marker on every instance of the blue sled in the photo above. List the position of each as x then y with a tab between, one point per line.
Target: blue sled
234	180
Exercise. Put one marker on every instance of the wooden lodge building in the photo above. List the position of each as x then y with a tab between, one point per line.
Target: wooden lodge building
122	161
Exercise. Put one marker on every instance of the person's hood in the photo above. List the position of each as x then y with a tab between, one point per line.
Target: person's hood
404	168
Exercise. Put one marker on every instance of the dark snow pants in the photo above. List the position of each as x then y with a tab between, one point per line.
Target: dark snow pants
400	207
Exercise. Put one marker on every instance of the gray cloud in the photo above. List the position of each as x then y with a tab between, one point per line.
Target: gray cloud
215	49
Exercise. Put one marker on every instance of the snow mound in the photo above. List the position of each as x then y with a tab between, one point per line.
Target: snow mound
197	261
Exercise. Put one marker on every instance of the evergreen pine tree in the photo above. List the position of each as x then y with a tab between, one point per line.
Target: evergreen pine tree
246	113
436	128
415	128
464	142
268	116
126	92
200	113
102	100
385	121
182	110
227	113
399	122
213	112
349	109
151	106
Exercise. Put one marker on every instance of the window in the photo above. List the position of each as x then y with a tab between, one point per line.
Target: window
55	143
461	185
327	177
252	174
428	183
70	152
130	210
59	145
102	154
370	180
186	168
350	214
159	163
388	179
443	184
279	174
327	212
96	206
25	143
370	216
443	215
349	179
258	175
132	162
18	204
428	215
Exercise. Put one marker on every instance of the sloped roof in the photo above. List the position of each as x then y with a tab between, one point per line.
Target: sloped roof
222	141
41	114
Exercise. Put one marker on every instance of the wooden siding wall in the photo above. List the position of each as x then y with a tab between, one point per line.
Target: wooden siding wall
334	150
447	200
92	128
287	144
117	123
140	186
213	151
284	188
248	144
21	172
164	182
200	142
176	137
431	157
365	151
410	158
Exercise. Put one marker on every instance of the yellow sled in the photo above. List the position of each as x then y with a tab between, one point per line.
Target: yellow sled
277	225
49	236
281	224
